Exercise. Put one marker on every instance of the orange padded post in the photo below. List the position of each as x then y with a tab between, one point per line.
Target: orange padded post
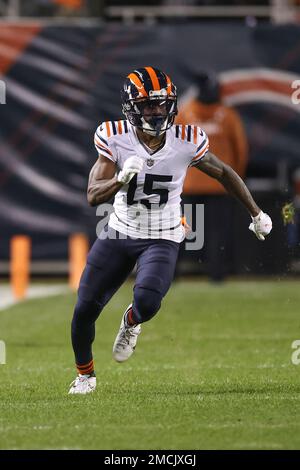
78	250
20	252
72	4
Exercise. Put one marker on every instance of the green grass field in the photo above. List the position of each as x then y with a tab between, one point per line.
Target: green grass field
212	370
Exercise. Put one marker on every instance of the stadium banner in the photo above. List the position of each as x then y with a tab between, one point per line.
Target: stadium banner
61	81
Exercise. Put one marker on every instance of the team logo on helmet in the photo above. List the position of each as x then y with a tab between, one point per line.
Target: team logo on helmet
149	100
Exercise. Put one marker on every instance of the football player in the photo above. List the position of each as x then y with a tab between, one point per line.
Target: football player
142	162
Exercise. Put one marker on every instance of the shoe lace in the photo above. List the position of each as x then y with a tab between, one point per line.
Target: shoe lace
79	379
83	378
128	333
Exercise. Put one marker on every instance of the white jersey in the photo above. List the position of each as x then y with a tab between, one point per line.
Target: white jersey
149	206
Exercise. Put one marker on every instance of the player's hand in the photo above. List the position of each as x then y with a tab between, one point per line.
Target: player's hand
186	226
132	166
261	225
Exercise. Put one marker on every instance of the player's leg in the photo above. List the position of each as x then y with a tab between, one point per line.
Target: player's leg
108	265
155	272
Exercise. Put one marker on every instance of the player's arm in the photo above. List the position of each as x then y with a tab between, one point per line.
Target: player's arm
214	167
104	183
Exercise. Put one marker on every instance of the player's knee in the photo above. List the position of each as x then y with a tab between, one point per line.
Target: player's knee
146	304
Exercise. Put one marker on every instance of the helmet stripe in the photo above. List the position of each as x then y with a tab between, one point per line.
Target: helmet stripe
154	78
137	82
169	85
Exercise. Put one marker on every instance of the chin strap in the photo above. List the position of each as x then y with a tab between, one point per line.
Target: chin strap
155	127
158	125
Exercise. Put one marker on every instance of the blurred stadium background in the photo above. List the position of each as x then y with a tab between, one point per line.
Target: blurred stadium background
62	63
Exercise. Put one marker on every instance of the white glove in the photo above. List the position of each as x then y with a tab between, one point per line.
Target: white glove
261	225
132	166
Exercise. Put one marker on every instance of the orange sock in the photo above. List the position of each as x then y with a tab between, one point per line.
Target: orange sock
129	318
86	369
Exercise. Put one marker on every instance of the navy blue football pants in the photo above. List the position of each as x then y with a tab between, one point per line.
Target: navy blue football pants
109	263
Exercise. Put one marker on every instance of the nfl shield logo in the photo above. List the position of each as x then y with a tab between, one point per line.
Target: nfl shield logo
150	162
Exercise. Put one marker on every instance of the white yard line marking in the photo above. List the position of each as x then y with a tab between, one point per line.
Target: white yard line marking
37	291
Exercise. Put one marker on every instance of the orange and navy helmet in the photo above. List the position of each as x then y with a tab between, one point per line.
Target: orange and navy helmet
149	100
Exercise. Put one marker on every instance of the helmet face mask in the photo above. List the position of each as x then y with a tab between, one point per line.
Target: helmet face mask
146	105
153	116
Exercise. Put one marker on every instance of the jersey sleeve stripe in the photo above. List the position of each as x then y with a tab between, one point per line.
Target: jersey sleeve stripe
125	127
202	152
177	130
108	129
195	161
182	132
103	150
120	127
201	145
189	132
101	147
105	154
102	139
114	129
195	135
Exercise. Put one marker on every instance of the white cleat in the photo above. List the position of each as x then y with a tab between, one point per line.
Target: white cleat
125	341
83	384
